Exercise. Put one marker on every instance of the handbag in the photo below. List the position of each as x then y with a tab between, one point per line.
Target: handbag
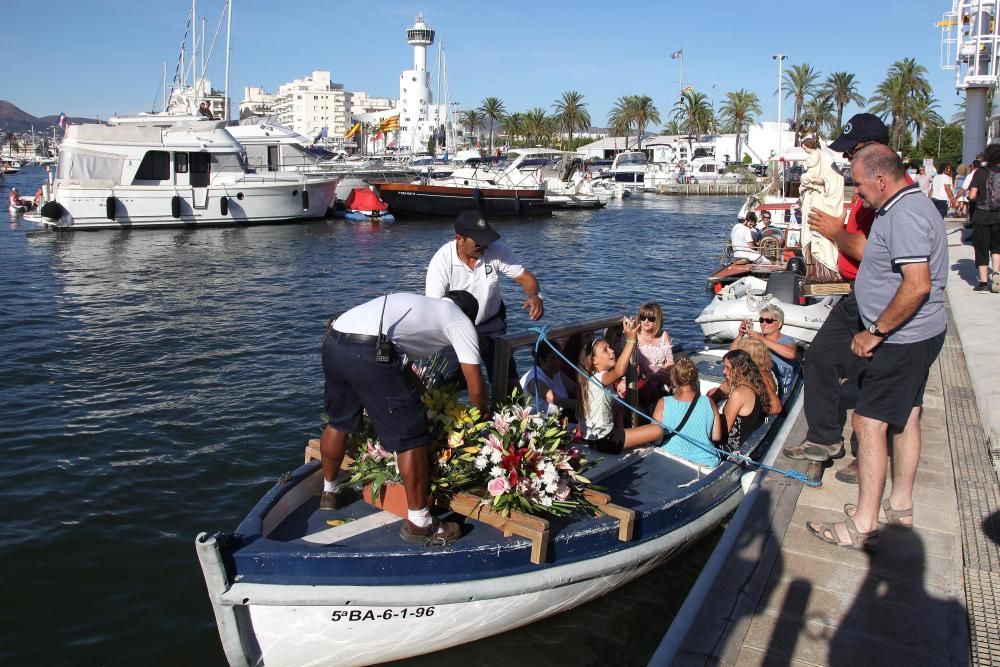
687	415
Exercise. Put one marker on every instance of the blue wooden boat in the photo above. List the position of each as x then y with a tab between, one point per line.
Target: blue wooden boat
289	588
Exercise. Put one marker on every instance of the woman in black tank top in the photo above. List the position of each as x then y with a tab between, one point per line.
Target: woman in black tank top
743	411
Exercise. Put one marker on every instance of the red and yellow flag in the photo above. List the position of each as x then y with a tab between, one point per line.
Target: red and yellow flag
354	130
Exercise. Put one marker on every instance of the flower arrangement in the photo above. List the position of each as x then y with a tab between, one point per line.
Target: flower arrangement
528	464
517	461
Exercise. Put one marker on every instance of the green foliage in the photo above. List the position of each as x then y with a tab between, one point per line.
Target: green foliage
571	113
431	145
493	110
950	142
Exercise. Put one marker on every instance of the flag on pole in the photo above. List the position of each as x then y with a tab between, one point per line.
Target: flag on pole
63	120
354	130
677	54
390	124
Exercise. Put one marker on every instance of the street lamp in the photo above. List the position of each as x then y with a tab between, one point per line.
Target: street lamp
780	57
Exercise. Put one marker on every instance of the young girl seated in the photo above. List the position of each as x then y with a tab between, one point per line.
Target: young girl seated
599	361
689	414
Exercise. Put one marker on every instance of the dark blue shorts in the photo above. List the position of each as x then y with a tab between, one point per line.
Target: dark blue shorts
355	382
893	380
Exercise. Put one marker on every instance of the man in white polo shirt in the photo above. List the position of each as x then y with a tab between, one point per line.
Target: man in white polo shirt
473	262
363	370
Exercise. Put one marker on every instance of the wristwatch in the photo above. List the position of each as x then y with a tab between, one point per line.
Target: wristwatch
538	294
875	331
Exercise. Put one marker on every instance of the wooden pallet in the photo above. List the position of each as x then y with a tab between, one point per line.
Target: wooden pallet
826	289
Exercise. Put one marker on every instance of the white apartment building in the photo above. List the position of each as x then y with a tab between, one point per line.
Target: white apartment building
360	102
312	104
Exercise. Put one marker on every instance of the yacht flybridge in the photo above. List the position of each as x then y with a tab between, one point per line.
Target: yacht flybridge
161	171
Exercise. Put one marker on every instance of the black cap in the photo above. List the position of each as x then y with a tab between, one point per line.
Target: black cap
465	302
473	225
860	128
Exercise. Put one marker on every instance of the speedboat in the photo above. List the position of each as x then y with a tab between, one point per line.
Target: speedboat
10	165
293	585
165	171
743	299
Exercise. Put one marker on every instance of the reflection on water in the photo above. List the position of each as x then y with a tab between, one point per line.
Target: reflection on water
156	383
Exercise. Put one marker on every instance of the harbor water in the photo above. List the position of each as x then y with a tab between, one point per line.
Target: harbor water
155	383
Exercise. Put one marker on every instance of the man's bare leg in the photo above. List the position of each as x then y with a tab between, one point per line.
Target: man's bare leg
332	447
415	471
905	461
872	464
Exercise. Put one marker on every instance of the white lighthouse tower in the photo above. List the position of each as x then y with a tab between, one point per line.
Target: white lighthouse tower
418	115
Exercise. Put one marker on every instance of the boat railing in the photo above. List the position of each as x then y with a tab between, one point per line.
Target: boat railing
609	328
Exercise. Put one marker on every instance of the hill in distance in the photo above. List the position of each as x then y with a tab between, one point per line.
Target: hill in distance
13	119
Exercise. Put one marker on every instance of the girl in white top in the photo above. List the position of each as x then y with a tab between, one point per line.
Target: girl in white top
942	190
602	369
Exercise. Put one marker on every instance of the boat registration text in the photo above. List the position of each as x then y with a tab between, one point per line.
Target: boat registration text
356	615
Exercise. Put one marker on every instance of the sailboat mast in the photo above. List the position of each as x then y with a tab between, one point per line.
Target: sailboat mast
164	85
194	53
229	31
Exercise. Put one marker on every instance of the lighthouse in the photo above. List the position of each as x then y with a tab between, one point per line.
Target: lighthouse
418	116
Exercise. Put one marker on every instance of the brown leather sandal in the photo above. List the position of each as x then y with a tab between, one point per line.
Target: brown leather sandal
892	517
859	541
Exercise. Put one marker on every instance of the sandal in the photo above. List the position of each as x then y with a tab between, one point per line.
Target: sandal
859	541
892	517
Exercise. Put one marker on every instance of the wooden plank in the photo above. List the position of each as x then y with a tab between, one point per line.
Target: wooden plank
826	289
625	516
523	525
313	454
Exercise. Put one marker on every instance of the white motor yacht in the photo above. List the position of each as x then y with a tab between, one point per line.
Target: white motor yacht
166	171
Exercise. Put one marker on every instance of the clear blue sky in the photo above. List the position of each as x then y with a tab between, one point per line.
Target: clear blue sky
100	57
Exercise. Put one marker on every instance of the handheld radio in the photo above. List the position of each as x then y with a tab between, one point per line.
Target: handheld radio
385	351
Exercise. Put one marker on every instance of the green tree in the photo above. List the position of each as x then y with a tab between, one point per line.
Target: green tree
923	114
493	111
512	125
694	114
738	112
817	114
904	88
645	113
801	81
621	118
948	138
571	113
842	87
536	124
671	127
472	119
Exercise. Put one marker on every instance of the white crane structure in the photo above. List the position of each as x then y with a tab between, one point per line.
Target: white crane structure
970	45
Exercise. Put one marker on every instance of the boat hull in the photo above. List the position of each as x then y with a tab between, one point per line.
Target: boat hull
138	207
401	622
434	200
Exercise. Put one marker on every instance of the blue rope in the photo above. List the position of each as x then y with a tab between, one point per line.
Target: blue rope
736	457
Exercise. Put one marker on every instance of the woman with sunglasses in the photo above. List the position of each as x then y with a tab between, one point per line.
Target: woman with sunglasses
783	349
656	355
602	368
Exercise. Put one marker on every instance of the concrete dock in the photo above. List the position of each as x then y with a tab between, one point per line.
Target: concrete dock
776	595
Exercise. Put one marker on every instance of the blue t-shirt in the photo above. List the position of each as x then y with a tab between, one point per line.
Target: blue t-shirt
784	368
698	428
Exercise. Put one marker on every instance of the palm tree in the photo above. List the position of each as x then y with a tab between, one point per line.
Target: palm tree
738	111
904	87
645	112
621	118
472	119
571	113
513	126
694	113
817	113
671	127
800	80
842	87
923	114
492	109
536	124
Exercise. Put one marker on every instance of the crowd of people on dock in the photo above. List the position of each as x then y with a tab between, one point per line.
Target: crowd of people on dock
368	351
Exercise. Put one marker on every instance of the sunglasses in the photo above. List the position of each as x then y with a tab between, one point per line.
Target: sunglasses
767	217
767	320
647	318
851	153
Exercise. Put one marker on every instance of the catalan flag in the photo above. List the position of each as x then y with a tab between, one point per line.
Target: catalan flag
354	130
390	124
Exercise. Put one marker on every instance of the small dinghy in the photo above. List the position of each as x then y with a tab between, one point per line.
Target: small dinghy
365	206
296	586
742	300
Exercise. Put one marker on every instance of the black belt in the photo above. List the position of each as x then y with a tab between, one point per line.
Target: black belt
353	337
